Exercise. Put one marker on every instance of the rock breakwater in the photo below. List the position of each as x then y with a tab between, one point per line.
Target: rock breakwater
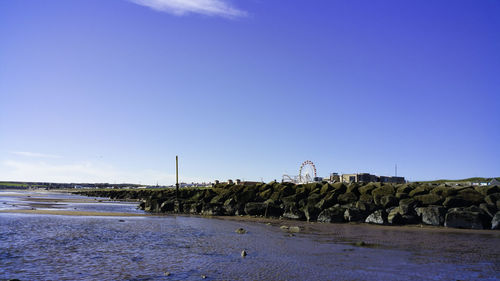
473	207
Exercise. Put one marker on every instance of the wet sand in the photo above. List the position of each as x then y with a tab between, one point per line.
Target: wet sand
72	213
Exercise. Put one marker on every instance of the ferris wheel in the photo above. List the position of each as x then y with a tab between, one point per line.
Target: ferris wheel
307	172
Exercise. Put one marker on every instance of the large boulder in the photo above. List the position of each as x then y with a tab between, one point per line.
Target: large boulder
444	190
332	214
389	201
377	217
382	191
471	218
311	212
230	207
495	222
488	209
353	214
292	212
429	199
167	206
255	208
420	190
492	199
367	189
212	209
394	216
400	215
488	189
348	197
329	200
464	198
432	215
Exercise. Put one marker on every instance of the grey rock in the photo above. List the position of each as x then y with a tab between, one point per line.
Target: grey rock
377	217
495	222
432	215
332	214
464	218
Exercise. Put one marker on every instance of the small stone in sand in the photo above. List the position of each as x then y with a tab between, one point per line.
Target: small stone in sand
284	227
360	243
203	276
121	220
241	231
166	273
294	229
243	253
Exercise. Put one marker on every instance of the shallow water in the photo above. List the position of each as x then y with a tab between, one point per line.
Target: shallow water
56	247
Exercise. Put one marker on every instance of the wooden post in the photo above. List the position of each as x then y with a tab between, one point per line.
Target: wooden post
177	177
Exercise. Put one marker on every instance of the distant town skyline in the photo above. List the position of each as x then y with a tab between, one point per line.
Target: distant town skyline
112	91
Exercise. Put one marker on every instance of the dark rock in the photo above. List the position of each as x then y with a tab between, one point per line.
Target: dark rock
332	214
382	191
210	209
366	198
353	214
402	195
488	209
429	199
339	187
404	189
240	231
444	191
167	206
367	189
492	199
464	198
347	198
292	212
230	207
377	217
470	218
388	201
487	190
395	217
314	198
255	208
325	189
311	212
433	215
364	206
495	222
420	190
273	209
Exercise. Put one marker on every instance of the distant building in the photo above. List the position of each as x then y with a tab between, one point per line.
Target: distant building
366	177
494	182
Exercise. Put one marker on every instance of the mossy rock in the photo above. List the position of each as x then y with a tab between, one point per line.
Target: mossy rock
348	197
329	200
487	190
402	195
367	189
444	190
354	188
404	189
339	187
313	199
325	188
382	191
389	201
492	199
366	198
266	194
429	199
464	198
420	190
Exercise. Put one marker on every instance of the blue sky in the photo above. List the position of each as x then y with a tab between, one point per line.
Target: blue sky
111	91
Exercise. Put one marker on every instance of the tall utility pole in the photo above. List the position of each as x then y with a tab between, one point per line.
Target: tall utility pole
396	169
177	177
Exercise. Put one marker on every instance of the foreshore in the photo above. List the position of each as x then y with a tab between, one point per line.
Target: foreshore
469	207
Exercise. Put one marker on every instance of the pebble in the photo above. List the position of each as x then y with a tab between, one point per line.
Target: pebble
121	220
294	229
284	227
166	273
203	276
243	253
240	231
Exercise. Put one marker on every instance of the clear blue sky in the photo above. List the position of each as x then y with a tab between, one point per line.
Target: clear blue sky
111	91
